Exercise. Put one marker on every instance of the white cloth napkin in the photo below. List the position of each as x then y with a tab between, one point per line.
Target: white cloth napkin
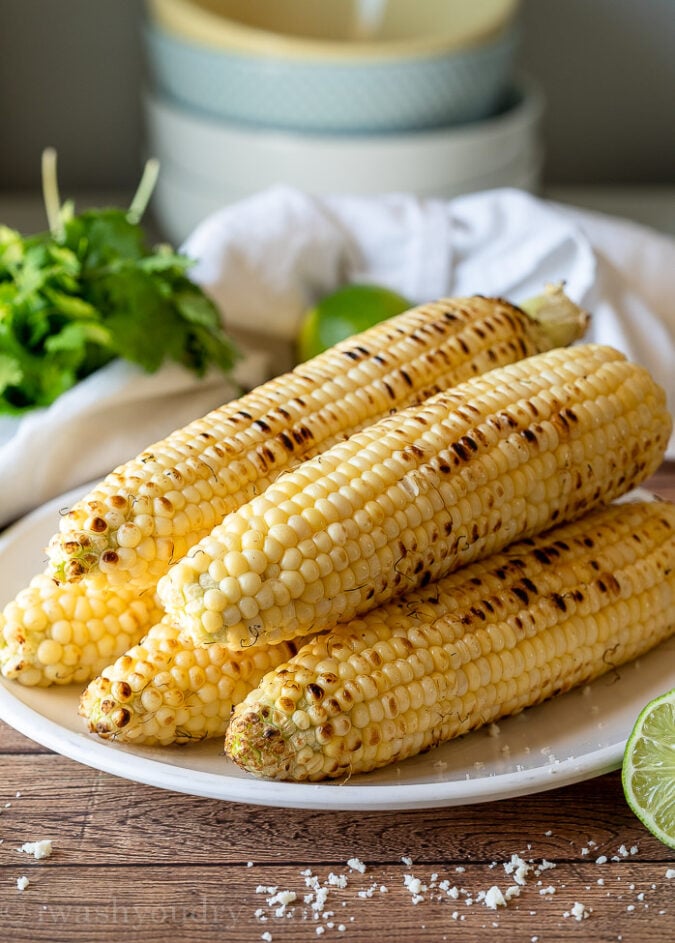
106	419
266	259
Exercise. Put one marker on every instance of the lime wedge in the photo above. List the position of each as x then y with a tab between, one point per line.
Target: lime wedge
648	773
346	312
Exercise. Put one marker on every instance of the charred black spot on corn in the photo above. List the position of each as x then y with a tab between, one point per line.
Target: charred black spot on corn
498	636
391	366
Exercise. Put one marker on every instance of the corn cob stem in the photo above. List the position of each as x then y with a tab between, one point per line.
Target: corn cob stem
556	314
165	691
416	495
53	634
503	634
148	513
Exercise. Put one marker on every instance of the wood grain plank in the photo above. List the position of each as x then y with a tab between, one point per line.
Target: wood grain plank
11	741
663	482
79	904
120	822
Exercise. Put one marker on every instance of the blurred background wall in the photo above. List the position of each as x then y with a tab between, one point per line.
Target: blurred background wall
71	72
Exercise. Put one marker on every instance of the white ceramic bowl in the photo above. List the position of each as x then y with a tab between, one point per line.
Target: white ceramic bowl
207	164
212	162
181	202
299	64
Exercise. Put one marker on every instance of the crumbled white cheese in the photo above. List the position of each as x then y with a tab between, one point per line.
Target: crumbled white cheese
39	849
337	880
518	867
356	865
320	898
369	891
451	890
670	873
602	859
282	899
494	898
579	911
266	936
22	883
416	887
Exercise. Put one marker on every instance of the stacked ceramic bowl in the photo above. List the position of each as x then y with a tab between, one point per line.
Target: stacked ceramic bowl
358	96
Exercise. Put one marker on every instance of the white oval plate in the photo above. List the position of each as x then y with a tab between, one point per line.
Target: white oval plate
571	738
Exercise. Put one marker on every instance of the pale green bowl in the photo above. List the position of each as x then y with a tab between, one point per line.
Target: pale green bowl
350	95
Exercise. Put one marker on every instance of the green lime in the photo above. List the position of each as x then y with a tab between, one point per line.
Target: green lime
346	312
648	773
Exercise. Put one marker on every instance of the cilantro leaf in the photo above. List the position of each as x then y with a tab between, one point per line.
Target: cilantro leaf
89	291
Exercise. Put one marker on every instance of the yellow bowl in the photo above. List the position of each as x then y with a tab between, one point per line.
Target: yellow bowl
338	29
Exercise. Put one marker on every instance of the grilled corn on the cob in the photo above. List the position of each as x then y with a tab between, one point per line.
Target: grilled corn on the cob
165	691
52	634
150	511
412	497
508	632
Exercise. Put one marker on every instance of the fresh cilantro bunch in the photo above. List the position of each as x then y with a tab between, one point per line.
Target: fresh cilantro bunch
91	290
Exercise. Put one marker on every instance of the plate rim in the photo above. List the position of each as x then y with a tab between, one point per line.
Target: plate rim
336	796
106	756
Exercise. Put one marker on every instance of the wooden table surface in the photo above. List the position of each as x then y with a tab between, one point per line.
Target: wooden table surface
133	862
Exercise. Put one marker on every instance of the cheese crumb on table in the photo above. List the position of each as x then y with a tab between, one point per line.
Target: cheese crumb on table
22	883
282	899
494	898
39	849
578	911
518	867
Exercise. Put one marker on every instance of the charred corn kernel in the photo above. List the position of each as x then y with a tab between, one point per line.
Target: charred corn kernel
503	634
165	691
51	634
150	511
499	457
